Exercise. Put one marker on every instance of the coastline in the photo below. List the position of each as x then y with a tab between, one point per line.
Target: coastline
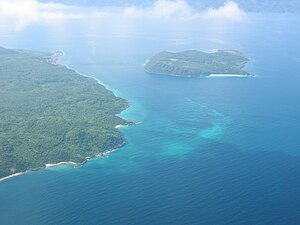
213	75
229	75
121	125
58	164
103	154
103	84
165	74
11	176
216	75
54	59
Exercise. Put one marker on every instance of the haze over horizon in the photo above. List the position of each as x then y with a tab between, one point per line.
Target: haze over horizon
22	13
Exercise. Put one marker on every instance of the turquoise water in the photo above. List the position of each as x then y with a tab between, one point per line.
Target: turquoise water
205	151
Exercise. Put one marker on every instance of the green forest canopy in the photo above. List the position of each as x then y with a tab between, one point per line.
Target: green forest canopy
49	113
196	63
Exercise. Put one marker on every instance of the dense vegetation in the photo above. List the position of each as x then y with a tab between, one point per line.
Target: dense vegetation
49	113
197	63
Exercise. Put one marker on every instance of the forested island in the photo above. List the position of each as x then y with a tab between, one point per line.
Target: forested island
194	63
51	114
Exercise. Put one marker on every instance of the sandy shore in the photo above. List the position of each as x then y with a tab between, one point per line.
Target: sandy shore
58	164
229	75
31	170
121	125
103	154
10	176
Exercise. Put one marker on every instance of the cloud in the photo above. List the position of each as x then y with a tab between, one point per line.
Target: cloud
21	13
180	9
165	8
229	10
160	9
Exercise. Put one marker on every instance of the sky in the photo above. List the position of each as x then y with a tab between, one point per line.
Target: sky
18	14
247	5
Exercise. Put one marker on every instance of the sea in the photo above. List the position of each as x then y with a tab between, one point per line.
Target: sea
204	151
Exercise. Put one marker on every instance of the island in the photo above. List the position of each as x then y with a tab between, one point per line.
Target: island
193	63
50	114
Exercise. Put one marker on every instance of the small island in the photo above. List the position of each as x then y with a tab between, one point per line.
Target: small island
194	63
50	114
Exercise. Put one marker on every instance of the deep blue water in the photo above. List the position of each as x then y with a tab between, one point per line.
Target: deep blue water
206	151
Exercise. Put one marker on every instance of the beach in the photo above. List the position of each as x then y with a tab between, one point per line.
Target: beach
229	75
103	154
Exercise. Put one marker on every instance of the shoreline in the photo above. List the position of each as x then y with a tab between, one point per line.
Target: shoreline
59	164
121	125
214	75
229	75
11	176
127	125
102	154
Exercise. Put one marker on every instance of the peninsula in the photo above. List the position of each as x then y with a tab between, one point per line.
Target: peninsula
194	63
51	114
